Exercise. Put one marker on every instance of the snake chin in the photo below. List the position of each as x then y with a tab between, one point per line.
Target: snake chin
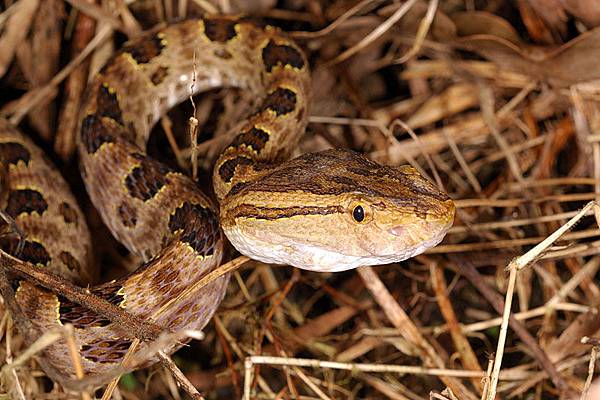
317	258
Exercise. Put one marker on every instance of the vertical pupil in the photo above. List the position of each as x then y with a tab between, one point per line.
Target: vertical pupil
358	214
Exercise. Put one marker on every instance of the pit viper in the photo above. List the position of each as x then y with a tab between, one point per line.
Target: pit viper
327	211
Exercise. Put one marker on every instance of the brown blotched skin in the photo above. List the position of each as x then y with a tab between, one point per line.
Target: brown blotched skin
39	200
324	211
157	213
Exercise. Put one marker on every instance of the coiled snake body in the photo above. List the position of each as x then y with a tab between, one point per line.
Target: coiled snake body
325	211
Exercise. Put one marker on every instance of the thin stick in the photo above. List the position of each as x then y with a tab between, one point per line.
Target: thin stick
534	253
75	357
193	124
165	123
512	278
211	276
484	226
508	243
364	367
179	376
469	271
193	132
400	320
523	315
588	381
136	327
311	384
375	33
40	344
513	267
36	96
491	120
519	201
486	379
341	19
465	351
110	388
421	32
414	136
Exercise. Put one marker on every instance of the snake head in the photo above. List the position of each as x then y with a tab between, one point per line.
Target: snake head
336	210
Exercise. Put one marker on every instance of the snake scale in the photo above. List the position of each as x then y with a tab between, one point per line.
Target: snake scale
325	211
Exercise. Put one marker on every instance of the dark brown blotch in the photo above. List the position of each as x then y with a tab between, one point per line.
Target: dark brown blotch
237	188
25	201
94	133
219	29
145	180
255	138
282	101
227	169
301	114
70	262
15	284
31	251
68	213
159	75
10	244
128	214
197	226
12	153
35	253
107	104
143	52
280	55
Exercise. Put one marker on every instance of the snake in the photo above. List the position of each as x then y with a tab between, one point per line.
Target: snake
325	211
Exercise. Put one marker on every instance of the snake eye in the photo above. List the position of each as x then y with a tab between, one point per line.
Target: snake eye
358	213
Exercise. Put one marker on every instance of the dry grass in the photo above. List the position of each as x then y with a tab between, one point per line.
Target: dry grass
505	119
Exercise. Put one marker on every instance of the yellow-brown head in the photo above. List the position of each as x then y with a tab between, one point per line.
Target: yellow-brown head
336	210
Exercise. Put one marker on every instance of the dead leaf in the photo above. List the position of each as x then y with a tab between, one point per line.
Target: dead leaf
15	30
554	12
480	23
46	42
453	100
442	28
575	61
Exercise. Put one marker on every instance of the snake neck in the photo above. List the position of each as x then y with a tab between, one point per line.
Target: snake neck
270	133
